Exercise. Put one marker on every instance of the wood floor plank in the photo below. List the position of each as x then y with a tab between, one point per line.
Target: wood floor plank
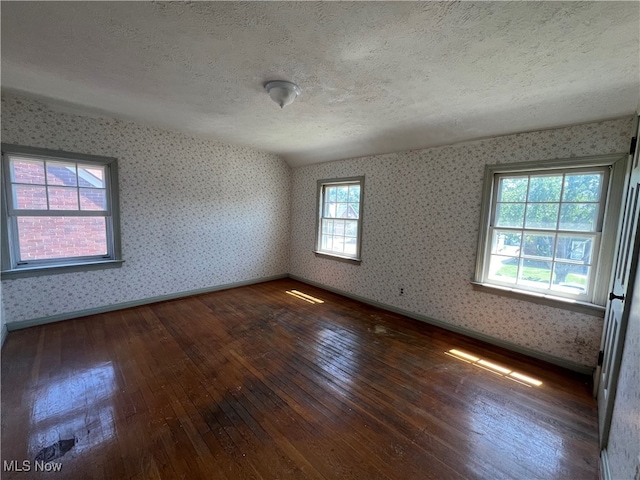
253	383
240	407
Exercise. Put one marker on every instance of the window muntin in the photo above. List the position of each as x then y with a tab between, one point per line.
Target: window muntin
340	217
545	230
65	186
58	209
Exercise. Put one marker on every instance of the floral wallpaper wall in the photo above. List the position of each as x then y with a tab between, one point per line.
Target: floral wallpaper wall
420	231
195	213
624	436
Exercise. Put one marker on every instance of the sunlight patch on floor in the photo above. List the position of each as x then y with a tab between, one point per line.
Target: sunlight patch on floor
494	368
304	296
314	299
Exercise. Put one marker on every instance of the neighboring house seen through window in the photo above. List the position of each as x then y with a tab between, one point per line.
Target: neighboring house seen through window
339	225
59	211
548	230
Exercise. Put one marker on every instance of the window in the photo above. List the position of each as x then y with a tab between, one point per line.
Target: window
551	230
59	211
339	227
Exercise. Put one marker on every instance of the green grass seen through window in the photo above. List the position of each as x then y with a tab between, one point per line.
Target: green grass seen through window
538	274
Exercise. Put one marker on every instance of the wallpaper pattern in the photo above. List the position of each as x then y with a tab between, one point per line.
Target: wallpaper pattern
420	231
194	213
197	213
624	437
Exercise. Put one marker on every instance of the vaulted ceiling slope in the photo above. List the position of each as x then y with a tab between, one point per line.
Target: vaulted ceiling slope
376	77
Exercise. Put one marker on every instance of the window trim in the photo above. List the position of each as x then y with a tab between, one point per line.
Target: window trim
618	165
113	259
595	235
357	259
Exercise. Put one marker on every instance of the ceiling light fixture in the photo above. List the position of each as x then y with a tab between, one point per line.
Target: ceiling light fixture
282	92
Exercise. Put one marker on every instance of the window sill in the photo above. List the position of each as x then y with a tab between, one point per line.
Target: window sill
56	269
340	258
542	299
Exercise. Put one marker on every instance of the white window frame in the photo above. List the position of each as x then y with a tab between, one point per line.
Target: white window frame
604	238
321	200
12	266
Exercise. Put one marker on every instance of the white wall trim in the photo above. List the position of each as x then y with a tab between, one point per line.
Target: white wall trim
574	366
605	469
134	303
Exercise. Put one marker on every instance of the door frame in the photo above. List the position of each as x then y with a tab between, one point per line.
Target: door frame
624	319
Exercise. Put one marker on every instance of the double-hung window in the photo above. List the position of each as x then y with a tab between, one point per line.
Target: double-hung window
59	211
339	225
550	230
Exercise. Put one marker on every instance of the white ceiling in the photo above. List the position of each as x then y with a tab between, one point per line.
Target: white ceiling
376	77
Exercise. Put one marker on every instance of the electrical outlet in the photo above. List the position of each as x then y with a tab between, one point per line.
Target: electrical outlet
402	292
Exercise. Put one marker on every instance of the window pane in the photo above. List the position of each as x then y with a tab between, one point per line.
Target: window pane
59	173
512	189
342	210
27	171
574	249
536	245
342	194
91	176
545	188
570	278
338	244
503	269
542	215
63	198
578	216
61	237
350	245
351	228
93	199
509	214
582	187
331	194
330	210
327	226
338	227
327	242
29	197
534	273
352	210
506	243
354	193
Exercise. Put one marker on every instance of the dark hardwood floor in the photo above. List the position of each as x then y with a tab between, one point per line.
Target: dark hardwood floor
253	382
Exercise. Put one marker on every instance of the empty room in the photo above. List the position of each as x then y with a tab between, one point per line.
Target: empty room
323	240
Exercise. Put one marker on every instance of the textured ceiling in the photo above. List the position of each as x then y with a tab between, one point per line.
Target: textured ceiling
375	77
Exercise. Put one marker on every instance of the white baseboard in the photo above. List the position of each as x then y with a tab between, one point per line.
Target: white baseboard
584	369
135	303
574	366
